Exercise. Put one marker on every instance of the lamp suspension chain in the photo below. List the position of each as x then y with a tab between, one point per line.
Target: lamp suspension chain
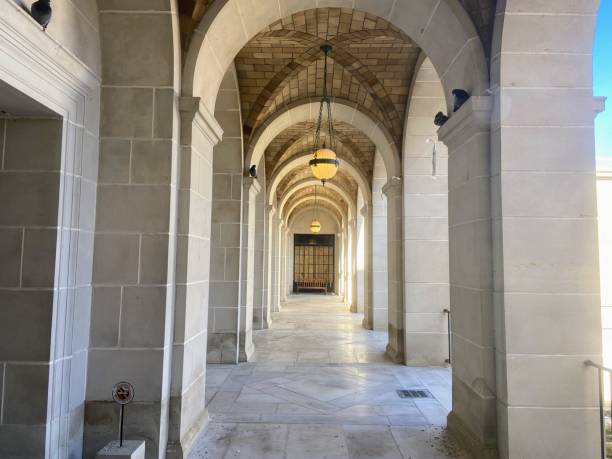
324	164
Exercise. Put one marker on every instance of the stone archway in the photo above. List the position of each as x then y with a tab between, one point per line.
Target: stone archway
344	112
442	29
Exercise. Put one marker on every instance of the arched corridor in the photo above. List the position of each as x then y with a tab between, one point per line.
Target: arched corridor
269	216
321	386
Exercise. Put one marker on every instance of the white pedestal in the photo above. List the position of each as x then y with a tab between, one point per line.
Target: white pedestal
131	449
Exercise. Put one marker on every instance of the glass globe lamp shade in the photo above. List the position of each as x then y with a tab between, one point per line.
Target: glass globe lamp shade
324	164
315	226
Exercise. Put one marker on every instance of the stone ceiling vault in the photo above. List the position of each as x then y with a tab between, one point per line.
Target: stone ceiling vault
371	67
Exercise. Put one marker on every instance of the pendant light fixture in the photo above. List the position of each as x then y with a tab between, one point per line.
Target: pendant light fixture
315	225
324	163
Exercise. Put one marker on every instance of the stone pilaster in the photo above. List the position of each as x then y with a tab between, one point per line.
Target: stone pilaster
273	258
366	213
467	137
395	272
352	266
188	415
250	191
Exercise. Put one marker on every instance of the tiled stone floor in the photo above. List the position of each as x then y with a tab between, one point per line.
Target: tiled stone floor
320	387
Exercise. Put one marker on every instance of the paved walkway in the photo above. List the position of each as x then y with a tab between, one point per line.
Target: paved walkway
320	387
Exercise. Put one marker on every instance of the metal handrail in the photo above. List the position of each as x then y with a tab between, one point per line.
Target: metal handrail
602	421
448	316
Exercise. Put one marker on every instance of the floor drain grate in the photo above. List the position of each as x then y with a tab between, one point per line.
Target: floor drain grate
414	393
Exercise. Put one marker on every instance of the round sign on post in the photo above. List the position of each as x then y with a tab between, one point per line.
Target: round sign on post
123	393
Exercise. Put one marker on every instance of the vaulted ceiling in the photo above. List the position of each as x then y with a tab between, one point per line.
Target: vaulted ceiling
370	67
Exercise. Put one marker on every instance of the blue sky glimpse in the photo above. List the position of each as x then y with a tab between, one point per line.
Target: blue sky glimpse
602	80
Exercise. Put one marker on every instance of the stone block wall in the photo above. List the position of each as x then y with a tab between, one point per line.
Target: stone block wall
226	230
426	272
30	185
133	293
380	287
261	312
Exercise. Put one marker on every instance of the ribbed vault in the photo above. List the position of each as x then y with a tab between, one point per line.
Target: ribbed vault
371	65
482	13
322	192
351	144
308	207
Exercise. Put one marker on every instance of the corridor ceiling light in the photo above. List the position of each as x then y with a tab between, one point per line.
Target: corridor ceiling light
324	163
315	224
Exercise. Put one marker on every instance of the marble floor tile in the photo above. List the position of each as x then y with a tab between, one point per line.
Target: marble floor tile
316	441
250	441
371	442
320	387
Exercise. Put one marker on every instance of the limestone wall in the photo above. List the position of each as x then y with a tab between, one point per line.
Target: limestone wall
226	231
604	209
380	287
426	269
75	26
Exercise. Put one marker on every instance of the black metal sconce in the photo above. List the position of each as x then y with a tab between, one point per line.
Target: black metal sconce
461	97
440	119
41	12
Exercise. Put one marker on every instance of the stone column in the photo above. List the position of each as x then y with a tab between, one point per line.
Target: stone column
395	269
380	281
366	212
341	266
352	231
466	134
273	259
227	286
346	265
260	309
133	299
251	189
188	414
546	298
282	263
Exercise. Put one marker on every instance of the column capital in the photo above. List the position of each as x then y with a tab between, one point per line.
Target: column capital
599	105
393	187
271	208
251	185
365	210
192	110
474	116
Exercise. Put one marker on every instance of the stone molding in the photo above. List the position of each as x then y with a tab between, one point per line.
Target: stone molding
47	58
192	107
599	105
393	187
251	185
474	116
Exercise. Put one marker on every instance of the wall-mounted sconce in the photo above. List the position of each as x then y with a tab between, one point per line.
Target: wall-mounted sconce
440	119
41	12
461	96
